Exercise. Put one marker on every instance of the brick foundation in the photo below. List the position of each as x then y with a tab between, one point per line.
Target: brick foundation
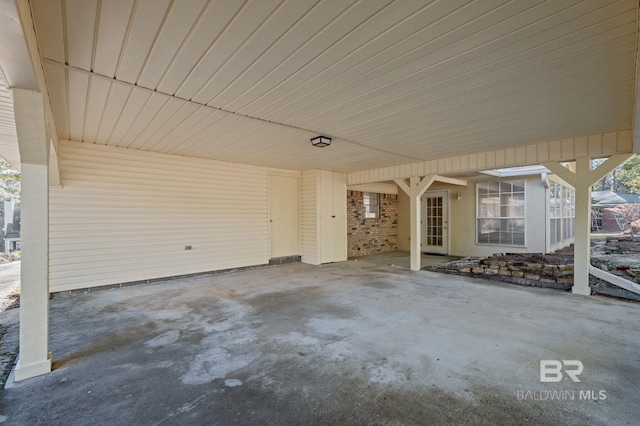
370	236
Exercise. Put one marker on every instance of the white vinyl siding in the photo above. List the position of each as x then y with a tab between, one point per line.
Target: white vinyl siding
124	215
310	223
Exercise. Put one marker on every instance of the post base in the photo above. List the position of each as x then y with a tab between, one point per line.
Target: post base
24	372
583	291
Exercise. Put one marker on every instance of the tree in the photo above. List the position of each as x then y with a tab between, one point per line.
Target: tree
628	176
625	178
9	182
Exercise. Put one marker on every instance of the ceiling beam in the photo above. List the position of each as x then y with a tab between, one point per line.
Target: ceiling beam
594	146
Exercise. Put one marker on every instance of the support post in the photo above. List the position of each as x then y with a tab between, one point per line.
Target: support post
34	358
415	224
582	180
414	190
582	237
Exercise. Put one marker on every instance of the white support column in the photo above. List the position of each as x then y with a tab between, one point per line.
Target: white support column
415	224
582	237
582	181
414	190
34	142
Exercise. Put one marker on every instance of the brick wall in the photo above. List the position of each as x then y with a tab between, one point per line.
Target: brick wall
369	236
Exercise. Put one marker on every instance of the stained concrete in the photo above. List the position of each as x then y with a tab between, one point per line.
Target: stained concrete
402	259
345	343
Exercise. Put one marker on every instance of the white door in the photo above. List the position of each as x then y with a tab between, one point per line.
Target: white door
333	217
284	214
435	222
340	220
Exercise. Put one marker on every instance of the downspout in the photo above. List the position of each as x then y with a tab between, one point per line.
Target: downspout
545	183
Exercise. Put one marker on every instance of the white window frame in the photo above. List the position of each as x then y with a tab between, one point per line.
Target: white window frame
371	210
562	213
501	217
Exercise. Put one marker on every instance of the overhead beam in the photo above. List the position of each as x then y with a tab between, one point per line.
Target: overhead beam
32	66
566	150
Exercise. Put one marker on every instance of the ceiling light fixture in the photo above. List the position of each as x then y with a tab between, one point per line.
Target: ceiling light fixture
321	141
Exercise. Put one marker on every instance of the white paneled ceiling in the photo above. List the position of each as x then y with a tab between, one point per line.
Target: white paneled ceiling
392	82
8	136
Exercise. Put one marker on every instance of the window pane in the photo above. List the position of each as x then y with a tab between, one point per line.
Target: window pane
505	187
370	200
501	212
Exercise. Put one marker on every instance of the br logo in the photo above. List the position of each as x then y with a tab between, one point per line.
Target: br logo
551	370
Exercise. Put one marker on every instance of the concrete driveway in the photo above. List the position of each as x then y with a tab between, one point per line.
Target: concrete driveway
346	343
9	281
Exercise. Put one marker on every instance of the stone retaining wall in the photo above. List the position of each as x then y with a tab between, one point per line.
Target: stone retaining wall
618	255
622	244
522	273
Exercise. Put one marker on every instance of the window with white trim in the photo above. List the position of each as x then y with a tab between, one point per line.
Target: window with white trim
500	214
371	205
562	212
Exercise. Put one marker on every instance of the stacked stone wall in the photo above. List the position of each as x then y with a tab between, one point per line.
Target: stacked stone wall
523	273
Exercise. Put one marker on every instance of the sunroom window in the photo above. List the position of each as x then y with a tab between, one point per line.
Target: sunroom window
501	213
562	212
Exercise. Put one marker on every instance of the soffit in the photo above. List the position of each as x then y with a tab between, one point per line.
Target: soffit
392	82
8	137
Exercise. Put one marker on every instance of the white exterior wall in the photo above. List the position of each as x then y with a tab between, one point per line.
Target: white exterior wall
462	216
310	222
124	215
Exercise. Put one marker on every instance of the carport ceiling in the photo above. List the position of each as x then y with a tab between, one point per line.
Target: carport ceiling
392	82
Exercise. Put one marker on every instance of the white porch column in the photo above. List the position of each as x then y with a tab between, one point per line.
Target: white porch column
415	253
34	358
582	235
414	190
582	181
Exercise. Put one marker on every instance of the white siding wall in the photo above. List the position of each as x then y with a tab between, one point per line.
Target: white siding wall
310	252
125	215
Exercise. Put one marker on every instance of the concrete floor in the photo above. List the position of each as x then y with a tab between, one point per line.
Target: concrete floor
345	343
401	259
